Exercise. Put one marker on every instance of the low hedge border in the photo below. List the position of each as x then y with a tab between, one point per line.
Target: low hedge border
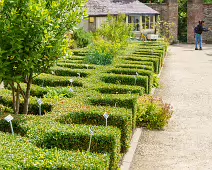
127	80
133	72
75	137
119	89
155	61
128	101
14	155
134	66
71	61
118	117
53	81
76	66
47	105
64	71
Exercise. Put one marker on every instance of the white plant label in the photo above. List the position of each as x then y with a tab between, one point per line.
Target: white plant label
71	90
106	116
40	102
8	118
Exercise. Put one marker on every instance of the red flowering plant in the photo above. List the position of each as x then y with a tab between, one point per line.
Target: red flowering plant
153	113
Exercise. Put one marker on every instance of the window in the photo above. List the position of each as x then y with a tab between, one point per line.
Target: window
136	21
148	22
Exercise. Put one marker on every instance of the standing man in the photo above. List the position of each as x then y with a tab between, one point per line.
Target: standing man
198	34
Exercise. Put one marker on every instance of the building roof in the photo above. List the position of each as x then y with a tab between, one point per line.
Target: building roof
114	7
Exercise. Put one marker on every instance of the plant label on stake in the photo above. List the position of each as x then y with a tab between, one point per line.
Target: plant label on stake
91	135
40	102
106	117
135	77
144	67
78	75
9	119
71	90
71	81
86	66
137	74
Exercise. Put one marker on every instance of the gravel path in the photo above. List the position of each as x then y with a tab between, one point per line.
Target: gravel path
186	144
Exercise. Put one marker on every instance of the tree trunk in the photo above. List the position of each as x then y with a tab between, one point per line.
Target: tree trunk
14	97
17	100
27	95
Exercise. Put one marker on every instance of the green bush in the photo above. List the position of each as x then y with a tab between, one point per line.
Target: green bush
119	89
64	71
155	61
133	72
55	93
136	66
18	153
82	38
118	117
128	101
79	52
153	113
53	81
126	80
76	66
49	134
33	106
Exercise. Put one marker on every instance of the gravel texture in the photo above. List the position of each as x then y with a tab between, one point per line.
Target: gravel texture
186	144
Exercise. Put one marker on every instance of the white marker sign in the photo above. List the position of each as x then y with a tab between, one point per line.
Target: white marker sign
92	133
106	117
40	102
9	119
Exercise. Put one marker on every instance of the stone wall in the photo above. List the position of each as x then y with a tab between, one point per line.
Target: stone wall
198	11
208	22
169	13
195	14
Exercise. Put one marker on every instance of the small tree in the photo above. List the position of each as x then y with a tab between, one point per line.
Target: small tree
32	38
113	36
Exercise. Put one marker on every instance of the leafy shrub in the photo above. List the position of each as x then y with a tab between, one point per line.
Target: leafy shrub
156	81
55	93
53	81
119	89
127	80
128	101
101	52
75	137
19	153
136	66
64	71
153	113
91	115
76	66
82	38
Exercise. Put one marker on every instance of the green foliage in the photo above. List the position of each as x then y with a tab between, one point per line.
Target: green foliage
53	81
55	93
6	100
153	113
182	20
90	115
156	81
82	38
109	40
19	153
119	89
127	80
208	1
32	39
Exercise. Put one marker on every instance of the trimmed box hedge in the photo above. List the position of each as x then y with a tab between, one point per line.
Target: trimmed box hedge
53	81
128	101
133	72
136	66
127	80
64	71
50	134
6	100
18	153
119	89
76	66
118	117
155	61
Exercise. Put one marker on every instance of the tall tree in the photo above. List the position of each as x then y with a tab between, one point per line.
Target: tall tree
32	38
